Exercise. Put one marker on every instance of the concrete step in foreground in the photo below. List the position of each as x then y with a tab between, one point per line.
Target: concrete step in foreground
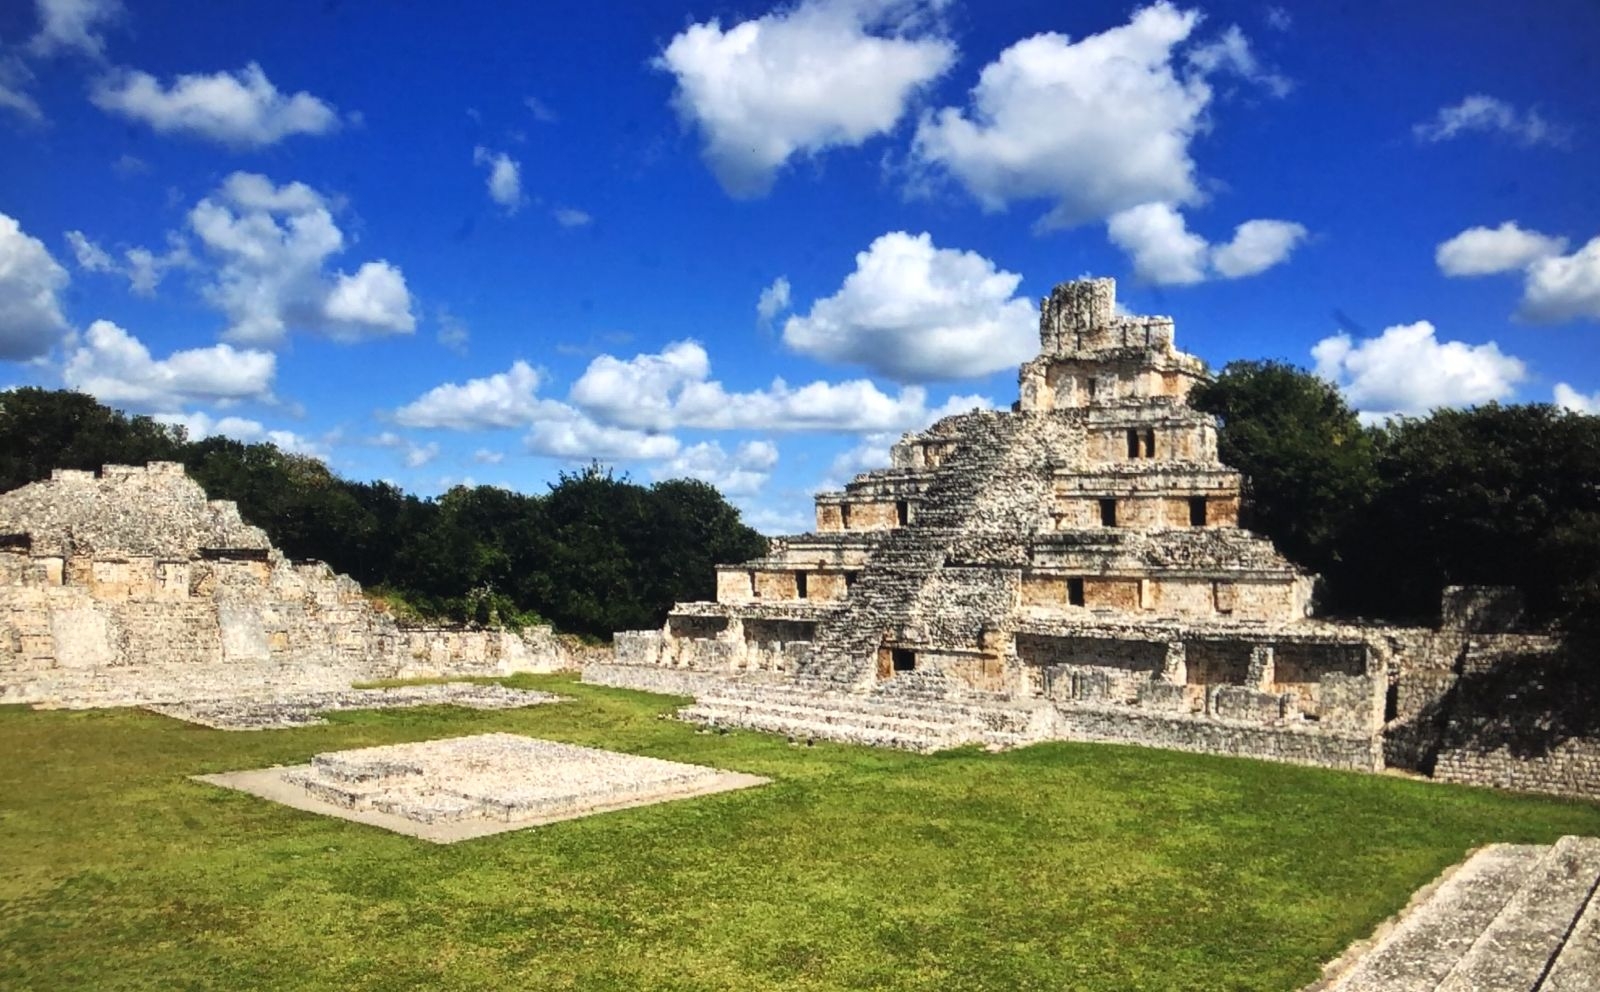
1513	918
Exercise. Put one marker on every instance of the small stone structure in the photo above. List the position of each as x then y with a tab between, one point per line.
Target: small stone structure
129	586
463	787
1512	918
1073	568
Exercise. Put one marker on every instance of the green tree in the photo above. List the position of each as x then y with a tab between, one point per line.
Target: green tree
44	429
1308	462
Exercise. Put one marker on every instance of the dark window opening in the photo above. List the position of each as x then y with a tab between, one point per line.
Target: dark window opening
844	515
1074	592
1391	703
1197	511
755	588
902	512
1108	513
1093	384
800	585
1149	444
850	579
1133	443
902	659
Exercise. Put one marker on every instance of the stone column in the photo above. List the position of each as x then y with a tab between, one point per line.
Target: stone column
1262	664
1175	668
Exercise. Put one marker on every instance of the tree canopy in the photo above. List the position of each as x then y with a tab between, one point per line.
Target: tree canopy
595	554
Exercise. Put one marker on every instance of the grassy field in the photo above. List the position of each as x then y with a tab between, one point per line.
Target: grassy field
1060	866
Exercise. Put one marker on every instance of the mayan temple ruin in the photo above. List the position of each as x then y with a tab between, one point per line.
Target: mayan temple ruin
1072	568
129	586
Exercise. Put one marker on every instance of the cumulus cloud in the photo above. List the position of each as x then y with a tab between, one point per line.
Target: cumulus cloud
562	432
199	424
1095	126
1165	252
800	80
918	313
144	269
1570	399
504	181
740	473
237	109
1160	244
672	389
73	26
270	244
484	456
1407	370
1481	251
506	399
31	321
1480	113
1563	287
773	300
1555	287
1231	52
115	367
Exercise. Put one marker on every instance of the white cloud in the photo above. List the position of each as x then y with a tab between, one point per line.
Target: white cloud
15	78
453	333
1481	113
30	279
1485	250
270	244
800	80
1159	242
918	313
540	110
237	109
1165	252
115	367
143	268
1406	369
504	181
672	389
199	424
563	432
1571	399
483	456
1231	52
741	473
773	300
1096	126
413	454
506	399
73	25
1563	287
872	452
571	217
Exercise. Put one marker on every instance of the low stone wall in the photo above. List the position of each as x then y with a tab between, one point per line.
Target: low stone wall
652	678
1570	768
1295	745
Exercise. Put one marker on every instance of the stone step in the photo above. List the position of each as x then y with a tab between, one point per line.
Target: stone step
800	728
1577	965
1515	950
1422	948
820	714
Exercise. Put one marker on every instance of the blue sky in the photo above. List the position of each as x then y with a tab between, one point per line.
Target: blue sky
436	243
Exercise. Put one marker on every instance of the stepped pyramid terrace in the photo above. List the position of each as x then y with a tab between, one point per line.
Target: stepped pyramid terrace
1073	567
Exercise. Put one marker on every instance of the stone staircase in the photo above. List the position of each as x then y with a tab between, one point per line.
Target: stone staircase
879	720
1513	918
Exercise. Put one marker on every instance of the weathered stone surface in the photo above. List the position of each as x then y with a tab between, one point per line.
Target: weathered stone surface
304	709
454	789
1512	918
131	587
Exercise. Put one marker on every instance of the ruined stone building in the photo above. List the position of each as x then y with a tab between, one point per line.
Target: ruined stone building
1071	568
130	586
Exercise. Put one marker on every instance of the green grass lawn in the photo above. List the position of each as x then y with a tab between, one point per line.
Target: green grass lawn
1060	866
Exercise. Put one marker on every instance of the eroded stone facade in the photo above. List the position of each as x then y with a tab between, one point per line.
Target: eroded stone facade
129	586
1075	563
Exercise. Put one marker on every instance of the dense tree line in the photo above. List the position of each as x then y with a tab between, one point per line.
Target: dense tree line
595	554
1392	513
